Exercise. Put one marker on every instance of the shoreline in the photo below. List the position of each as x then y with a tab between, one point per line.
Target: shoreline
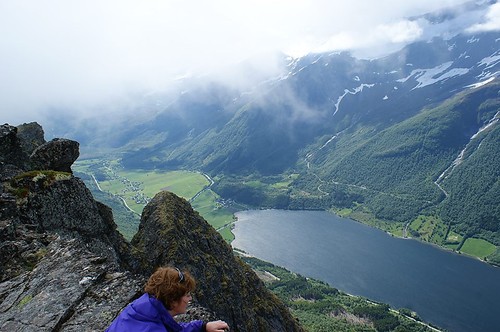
249	248
243	253
385	231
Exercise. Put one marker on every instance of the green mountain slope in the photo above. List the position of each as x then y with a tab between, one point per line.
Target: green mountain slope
407	142
474	188
390	172
397	170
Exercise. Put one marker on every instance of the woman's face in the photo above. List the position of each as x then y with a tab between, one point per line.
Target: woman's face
180	307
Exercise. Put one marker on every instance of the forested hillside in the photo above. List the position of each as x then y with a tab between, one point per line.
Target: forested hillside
444	161
407	142
441	164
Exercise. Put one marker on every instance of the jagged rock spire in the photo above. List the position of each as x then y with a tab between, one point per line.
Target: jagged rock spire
171	232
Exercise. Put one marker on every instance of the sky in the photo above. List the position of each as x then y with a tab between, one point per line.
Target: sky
78	55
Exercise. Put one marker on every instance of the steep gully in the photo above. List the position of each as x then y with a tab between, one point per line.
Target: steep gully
460	158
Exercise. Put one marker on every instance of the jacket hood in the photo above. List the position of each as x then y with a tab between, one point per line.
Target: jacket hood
147	308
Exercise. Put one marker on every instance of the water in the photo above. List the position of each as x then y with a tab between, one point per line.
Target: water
452	291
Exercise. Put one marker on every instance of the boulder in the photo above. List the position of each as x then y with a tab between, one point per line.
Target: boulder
58	155
11	151
31	136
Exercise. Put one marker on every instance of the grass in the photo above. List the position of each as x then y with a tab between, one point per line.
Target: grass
429	228
415	225
206	204
365	217
137	187
254	184
226	234
345	212
183	183
285	184
453	240
396	231
454	237
25	300
478	248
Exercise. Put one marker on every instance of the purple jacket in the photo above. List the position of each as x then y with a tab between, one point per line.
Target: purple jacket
147	314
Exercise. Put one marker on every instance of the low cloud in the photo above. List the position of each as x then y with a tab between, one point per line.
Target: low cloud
82	56
376	41
492	20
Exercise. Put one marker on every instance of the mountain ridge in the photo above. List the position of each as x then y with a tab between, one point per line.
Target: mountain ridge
329	115
340	127
65	267
297	101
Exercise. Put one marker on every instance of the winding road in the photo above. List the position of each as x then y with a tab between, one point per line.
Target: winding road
204	188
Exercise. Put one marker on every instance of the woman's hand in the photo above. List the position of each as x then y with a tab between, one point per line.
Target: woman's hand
217	326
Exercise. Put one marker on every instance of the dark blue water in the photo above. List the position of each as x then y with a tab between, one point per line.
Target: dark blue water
452	291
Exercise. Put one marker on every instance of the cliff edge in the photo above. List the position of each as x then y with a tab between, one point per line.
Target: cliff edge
65	267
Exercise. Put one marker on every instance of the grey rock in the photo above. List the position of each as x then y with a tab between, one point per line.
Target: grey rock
31	136
70	289
172	233
58	155
11	151
50	199
65	267
8	171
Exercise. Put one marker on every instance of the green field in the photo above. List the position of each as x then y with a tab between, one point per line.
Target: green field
137	187
478	248
206	205
184	184
428	228
359	214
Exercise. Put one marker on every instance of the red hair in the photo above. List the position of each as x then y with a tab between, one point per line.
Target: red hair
169	284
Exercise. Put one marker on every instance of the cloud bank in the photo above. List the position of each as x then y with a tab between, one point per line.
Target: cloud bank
82	54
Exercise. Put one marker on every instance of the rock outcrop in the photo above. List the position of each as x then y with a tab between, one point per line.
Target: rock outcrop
170	232
31	136
65	267
58	155
11	152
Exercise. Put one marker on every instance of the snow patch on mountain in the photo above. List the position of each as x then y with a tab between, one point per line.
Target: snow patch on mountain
429	76
480	84
490	61
347	91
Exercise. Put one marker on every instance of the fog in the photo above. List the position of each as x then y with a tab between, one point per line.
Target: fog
93	58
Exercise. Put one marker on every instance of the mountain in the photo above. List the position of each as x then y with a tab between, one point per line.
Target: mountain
65	267
223	130
413	133
434	162
385	141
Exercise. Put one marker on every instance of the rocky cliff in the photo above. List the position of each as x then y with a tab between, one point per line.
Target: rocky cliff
65	267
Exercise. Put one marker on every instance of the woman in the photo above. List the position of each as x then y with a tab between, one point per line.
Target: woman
167	294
